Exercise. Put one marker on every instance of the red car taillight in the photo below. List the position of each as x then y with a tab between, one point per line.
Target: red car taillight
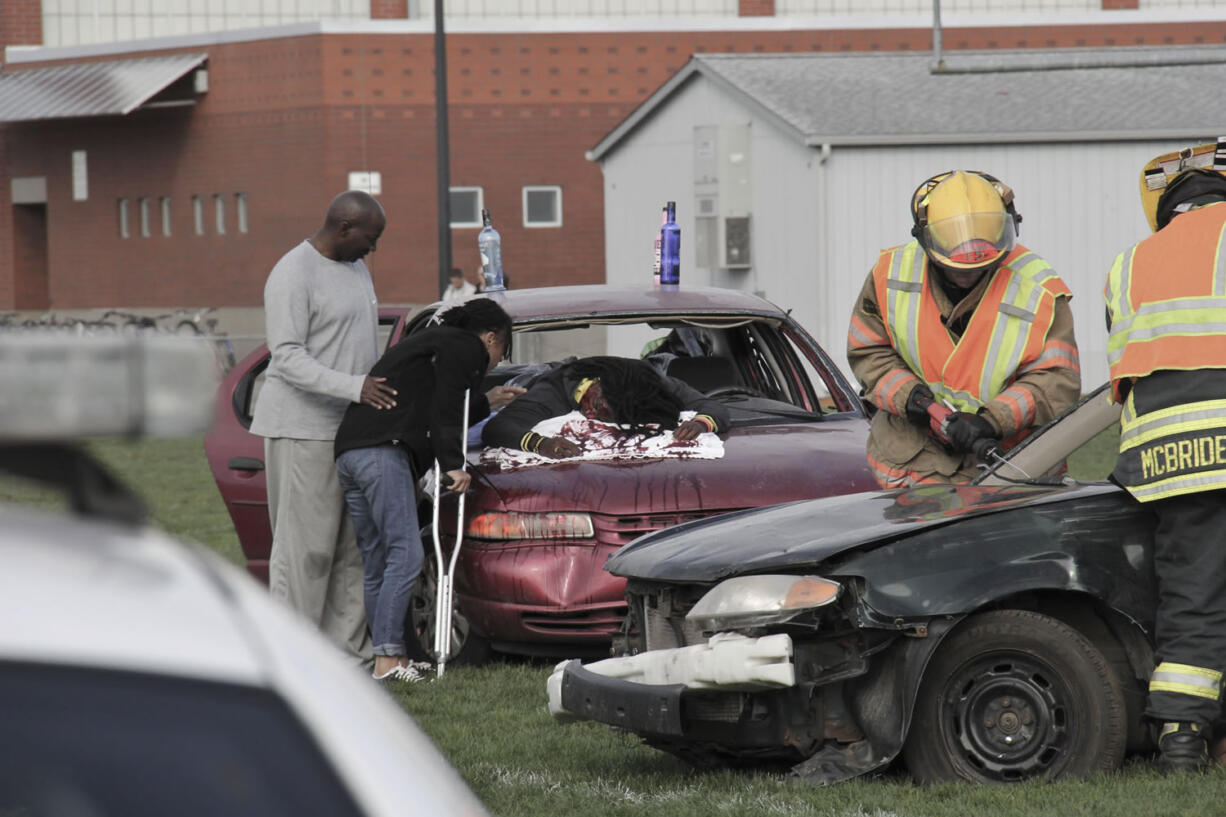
530	526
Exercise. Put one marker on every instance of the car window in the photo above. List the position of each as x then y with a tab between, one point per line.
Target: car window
747	354
1081	443
387	326
823	380
1095	459
97	743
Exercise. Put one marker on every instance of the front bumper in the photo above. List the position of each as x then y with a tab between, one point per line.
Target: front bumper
537	597
544	630
643	693
577	694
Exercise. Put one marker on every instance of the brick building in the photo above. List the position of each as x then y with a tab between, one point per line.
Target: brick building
190	197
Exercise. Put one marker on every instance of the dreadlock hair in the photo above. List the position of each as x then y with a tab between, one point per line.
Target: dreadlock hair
478	315
635	392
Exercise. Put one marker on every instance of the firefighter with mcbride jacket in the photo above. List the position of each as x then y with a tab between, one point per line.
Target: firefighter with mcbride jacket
1166	348
960	336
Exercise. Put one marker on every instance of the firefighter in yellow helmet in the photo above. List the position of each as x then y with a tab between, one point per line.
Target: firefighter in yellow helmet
1166	348
960	336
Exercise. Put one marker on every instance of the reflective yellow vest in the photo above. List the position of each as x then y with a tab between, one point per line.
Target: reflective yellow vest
1005	335
1166	297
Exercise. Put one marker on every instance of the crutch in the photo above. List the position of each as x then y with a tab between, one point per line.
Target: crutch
446	573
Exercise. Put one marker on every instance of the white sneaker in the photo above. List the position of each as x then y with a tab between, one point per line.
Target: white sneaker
408	674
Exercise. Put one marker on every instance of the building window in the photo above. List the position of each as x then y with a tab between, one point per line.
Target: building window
80	176
543	206
466	204
124	230
165	202
198	214
143	202
240	205
219	209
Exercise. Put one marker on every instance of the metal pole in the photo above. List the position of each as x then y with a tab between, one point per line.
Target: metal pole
442	150
939	58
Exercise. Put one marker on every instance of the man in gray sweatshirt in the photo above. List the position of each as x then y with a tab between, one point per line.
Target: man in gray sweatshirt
321	318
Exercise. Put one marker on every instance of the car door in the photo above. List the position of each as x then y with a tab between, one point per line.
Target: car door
236	456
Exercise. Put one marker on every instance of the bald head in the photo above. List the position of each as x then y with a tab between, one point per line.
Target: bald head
353	206
351	228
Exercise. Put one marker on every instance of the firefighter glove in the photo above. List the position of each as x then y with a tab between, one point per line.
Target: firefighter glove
965	429
917	405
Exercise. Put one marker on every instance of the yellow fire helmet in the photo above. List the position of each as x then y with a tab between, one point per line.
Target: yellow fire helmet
1162	170
964	219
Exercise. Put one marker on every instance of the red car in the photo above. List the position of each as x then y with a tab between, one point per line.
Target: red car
530	576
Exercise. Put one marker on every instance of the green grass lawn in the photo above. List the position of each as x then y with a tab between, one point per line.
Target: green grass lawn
491	721
171	476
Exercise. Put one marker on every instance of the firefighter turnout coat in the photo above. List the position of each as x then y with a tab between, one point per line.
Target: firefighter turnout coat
1166	304
1013	355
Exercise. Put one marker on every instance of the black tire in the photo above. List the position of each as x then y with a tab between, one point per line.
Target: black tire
467	647
1013	695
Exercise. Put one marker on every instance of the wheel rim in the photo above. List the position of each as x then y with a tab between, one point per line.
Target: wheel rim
424	606
1007	716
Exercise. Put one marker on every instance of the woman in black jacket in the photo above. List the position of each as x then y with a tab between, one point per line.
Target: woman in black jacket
380	453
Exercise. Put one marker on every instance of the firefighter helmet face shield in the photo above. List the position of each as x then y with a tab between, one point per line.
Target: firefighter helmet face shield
970	241
965	220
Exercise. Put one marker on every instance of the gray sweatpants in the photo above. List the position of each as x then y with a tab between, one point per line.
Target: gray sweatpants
315	565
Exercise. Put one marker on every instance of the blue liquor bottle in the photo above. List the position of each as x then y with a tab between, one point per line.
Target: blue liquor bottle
670	248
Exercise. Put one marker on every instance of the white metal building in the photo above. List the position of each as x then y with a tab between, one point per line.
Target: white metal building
791	172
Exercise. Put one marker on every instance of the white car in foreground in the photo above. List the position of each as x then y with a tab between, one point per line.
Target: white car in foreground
142	676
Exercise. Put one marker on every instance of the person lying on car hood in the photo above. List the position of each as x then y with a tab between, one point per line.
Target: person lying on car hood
629	393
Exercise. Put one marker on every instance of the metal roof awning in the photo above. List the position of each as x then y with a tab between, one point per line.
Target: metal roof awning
111	88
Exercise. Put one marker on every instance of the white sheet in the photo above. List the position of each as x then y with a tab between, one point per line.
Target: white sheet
605	441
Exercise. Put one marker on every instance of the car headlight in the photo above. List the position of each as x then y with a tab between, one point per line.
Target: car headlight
755	601
530	526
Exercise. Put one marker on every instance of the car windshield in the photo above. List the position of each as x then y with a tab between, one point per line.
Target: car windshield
1079	445
762	372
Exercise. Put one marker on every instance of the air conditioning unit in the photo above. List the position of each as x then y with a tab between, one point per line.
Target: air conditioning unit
736	243
723	242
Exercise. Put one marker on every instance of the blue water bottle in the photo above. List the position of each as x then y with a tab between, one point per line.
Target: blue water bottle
670	248
489	242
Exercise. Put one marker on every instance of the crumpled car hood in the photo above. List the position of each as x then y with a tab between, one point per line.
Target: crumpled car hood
761	465
799	535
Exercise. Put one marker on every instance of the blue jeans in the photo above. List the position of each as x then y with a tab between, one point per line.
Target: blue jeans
380	493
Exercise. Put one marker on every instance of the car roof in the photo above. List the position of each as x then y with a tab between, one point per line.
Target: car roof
116	597
588	300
